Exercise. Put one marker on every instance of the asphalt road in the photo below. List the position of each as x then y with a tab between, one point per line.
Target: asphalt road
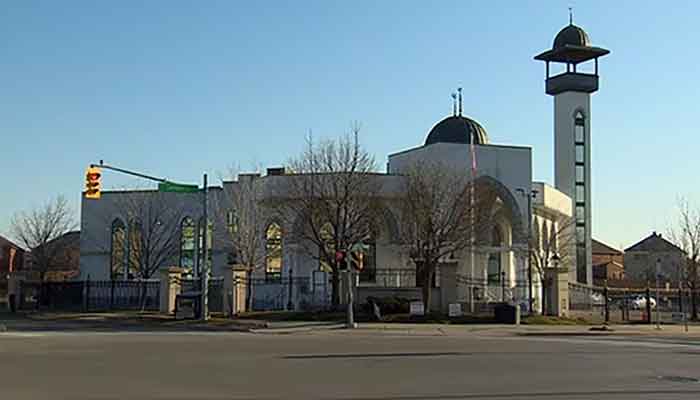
337	365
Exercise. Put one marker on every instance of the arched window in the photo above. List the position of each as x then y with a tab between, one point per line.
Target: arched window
136	248
327	238
232	221
187	241
118	249
546	238
494	263
273	251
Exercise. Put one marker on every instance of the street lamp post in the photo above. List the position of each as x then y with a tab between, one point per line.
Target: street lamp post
529	197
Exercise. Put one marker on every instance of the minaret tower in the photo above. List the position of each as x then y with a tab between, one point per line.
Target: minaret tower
572	90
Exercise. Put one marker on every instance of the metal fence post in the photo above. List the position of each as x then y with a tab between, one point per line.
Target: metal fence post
290	304
86	294
111	295
648	303
607	306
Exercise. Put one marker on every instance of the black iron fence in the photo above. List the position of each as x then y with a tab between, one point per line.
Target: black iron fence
90	295
122	295
289	293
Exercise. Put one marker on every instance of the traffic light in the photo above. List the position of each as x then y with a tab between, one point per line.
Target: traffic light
340	259
92	183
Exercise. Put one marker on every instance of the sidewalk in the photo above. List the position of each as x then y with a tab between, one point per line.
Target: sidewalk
130	321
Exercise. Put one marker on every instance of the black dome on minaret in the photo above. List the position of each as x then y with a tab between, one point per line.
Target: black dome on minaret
457	129
571	35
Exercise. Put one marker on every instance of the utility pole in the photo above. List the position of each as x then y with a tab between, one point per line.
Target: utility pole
658	299
205	255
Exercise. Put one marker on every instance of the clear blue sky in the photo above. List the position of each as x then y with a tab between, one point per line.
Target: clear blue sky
179	88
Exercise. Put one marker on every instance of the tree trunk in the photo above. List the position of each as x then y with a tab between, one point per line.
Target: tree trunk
544	297
427	289
142	299
693	304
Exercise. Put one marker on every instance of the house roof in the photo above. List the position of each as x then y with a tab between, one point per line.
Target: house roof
6	242
654	242
599	247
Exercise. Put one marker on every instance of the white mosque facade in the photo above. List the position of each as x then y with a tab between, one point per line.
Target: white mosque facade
523	209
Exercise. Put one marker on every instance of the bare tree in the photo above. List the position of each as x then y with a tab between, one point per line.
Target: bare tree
38	229
153	232
686	235
442	212
241	206
330	200
556	237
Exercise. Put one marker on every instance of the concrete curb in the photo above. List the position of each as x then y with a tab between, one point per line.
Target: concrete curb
296	329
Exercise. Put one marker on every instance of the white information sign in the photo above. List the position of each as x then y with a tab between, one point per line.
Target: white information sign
416	308
455	310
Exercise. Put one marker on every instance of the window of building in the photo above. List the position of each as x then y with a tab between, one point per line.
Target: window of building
273	251
580	154
368	261
580	173
580	193
579	128
581	235
580	215
187	244
232	222
118	249
494	261
136	248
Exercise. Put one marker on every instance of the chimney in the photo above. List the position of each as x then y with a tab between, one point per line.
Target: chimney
275	171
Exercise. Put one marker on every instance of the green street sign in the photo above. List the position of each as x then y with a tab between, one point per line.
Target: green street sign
177	187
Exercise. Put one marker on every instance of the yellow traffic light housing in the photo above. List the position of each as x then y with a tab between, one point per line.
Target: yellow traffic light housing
92	183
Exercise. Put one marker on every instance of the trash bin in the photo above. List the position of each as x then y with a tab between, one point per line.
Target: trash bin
506	313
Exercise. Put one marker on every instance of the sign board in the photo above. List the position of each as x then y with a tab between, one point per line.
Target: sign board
416	308
455	310
177	187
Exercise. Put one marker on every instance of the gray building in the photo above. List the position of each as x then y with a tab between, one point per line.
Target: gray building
642	257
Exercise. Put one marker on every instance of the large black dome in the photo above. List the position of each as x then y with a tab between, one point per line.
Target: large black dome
572	35
457	129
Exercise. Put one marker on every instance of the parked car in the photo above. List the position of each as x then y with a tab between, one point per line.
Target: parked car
639	302
597	299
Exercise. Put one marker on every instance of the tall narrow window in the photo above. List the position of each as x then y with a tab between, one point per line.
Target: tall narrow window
580	215
137	250
273	251
368	260
118	249
581	203
494	262
580	173
187	241
232	222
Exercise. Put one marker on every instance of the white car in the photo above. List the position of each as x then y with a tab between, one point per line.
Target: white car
640	302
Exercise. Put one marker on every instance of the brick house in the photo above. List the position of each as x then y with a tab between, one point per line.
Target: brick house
66	263
11	256
608	263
